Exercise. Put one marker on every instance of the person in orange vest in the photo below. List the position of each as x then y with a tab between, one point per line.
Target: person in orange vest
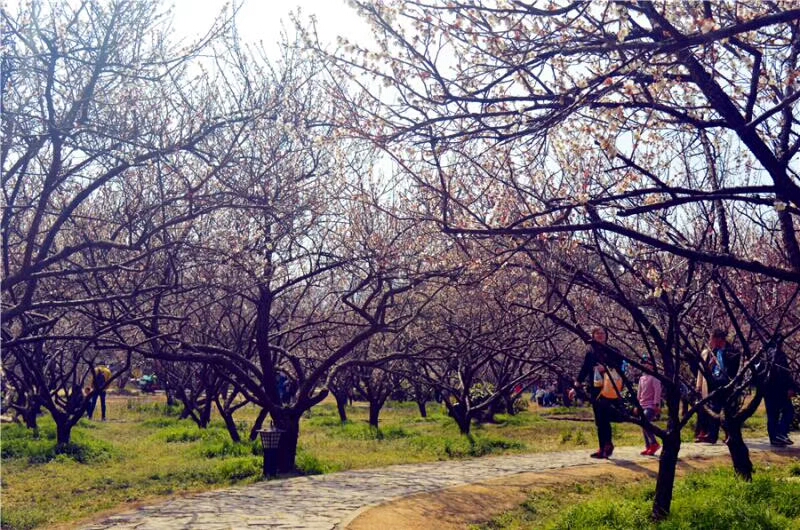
102	375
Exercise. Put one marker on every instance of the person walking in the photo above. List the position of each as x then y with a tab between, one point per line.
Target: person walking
778	391
101	377
600	371
649	397
720	364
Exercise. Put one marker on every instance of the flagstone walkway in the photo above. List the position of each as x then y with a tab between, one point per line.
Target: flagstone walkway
332	501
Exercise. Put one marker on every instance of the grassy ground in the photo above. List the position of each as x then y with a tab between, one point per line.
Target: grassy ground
711	499
143	453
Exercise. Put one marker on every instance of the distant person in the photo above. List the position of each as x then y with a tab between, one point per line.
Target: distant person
649	397
102	375
600	365
778	391
720	364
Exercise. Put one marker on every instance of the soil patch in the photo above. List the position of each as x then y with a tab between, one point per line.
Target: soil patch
462	506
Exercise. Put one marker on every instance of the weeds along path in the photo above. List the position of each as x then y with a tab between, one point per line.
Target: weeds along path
334	500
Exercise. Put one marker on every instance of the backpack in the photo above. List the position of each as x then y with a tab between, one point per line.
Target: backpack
612	384
718	372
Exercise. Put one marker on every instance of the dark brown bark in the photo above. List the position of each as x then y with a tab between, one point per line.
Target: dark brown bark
230	424
341	407
289	423
662	501
258	424
740	454
375	407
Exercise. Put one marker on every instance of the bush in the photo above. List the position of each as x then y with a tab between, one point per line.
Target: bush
227	448
23	520
40	447
179	433
308	464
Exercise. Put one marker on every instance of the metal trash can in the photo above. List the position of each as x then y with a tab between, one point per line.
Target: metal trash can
271	439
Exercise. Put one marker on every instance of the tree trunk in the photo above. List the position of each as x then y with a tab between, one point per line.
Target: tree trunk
205	414
740	454
509	400
258	424
229	423
423	410
375	407
29	416
665	482
63	432
463	419
662	500
341	406
289	423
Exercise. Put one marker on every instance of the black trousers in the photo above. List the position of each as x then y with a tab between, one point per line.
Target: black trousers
779	413
603	416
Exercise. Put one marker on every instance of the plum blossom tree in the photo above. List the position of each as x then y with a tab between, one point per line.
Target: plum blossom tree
102	115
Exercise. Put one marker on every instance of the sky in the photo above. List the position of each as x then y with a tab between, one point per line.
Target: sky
261	19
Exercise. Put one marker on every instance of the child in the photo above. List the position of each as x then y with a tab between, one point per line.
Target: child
649	396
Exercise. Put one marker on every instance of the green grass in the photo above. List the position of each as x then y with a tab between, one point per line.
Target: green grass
711	499
144	452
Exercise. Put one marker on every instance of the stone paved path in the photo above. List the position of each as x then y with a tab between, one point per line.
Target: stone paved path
331	501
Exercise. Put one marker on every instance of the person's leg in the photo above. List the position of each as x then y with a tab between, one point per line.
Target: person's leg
103	406
90	407
598	415
786	416
604	424
713	424
773	406
702	425
649	437
603	428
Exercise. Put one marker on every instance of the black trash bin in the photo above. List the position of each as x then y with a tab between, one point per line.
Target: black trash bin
271	439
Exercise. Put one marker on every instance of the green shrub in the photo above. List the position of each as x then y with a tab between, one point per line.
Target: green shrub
238	469
23	520
308	464
40	447
227	448
183	433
